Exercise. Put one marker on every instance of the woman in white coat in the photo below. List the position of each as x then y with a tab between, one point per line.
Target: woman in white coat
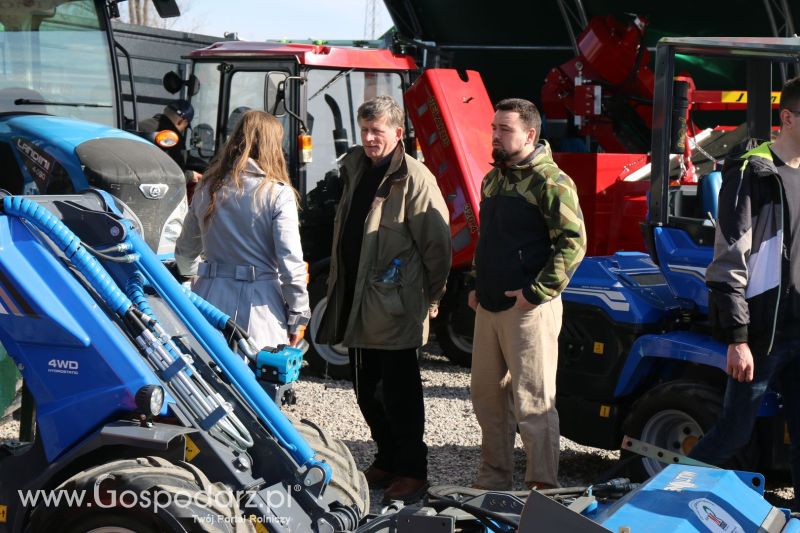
243	221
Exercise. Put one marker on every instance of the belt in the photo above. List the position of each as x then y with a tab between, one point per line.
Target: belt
237	272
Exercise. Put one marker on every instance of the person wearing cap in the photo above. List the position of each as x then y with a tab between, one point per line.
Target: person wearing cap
177	116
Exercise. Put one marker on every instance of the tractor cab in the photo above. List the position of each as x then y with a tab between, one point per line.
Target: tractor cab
314	90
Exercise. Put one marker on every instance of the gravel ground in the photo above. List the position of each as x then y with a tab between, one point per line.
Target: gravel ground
451	431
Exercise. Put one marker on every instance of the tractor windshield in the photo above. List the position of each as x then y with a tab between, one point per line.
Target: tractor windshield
333	100
55	59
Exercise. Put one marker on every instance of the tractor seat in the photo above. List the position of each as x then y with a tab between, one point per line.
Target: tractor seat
708	192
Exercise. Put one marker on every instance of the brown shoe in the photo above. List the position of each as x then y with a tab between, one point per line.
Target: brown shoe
406	489
378	478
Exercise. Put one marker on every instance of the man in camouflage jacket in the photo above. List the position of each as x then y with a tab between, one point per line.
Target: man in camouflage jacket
531	241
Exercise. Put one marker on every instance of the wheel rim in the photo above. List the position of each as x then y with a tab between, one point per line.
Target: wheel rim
672	430
462	342
336	354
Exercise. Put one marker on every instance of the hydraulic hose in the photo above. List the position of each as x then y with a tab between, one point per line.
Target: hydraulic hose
215	317
69	243
191	387
135	291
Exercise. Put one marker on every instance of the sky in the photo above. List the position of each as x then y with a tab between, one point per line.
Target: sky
281	19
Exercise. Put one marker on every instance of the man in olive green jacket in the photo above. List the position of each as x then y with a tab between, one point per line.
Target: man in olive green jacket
389	266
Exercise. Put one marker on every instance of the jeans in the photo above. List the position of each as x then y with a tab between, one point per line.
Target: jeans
733	430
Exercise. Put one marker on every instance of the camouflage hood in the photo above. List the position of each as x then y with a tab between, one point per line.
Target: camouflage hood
542	240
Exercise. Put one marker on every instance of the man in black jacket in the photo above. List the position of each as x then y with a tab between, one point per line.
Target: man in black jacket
754	280
176	117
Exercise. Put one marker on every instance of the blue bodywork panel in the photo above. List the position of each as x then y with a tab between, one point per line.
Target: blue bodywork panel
684	264
79	366
676	345
684	498
58	137
626	285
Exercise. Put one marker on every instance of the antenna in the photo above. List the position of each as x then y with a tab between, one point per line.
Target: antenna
369	19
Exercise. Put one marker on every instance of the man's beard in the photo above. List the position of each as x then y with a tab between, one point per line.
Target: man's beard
502	157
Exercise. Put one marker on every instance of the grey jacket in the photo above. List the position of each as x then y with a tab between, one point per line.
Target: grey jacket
409	221
745	275
253	268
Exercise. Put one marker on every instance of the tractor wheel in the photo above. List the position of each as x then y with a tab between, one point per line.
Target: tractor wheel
673	416
348	485
323	359
454	329
147	494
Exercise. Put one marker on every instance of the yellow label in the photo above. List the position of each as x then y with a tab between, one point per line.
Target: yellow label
599	347
191	448
3	514
733	97
260	528
605	411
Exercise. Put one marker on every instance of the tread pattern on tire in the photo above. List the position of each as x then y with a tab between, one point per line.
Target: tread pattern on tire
155	473
348	483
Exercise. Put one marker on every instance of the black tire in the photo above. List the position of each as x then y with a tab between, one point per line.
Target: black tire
454	329
323	359
188	501
348	485
672	415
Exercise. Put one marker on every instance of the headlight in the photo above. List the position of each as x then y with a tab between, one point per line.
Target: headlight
150	399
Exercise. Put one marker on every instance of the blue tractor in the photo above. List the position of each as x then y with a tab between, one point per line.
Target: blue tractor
61	123
636	353
62	114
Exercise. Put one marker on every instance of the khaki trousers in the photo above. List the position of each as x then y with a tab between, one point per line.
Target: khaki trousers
514	363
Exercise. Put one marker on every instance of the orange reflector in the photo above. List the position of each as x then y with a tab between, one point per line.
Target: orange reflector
305	145
166	139
419	155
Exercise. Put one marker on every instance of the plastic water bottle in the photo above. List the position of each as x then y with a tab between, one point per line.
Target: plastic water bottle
392	274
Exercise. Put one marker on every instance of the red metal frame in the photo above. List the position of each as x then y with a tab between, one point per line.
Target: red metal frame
452	119
612	208
309	54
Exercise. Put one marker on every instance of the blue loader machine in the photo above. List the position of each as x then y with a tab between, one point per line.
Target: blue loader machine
636	353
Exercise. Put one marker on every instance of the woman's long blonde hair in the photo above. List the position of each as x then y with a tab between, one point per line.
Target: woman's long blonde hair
258	136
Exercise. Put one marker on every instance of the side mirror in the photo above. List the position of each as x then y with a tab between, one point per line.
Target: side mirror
167	8
173	83
192	85
203	139
275	93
